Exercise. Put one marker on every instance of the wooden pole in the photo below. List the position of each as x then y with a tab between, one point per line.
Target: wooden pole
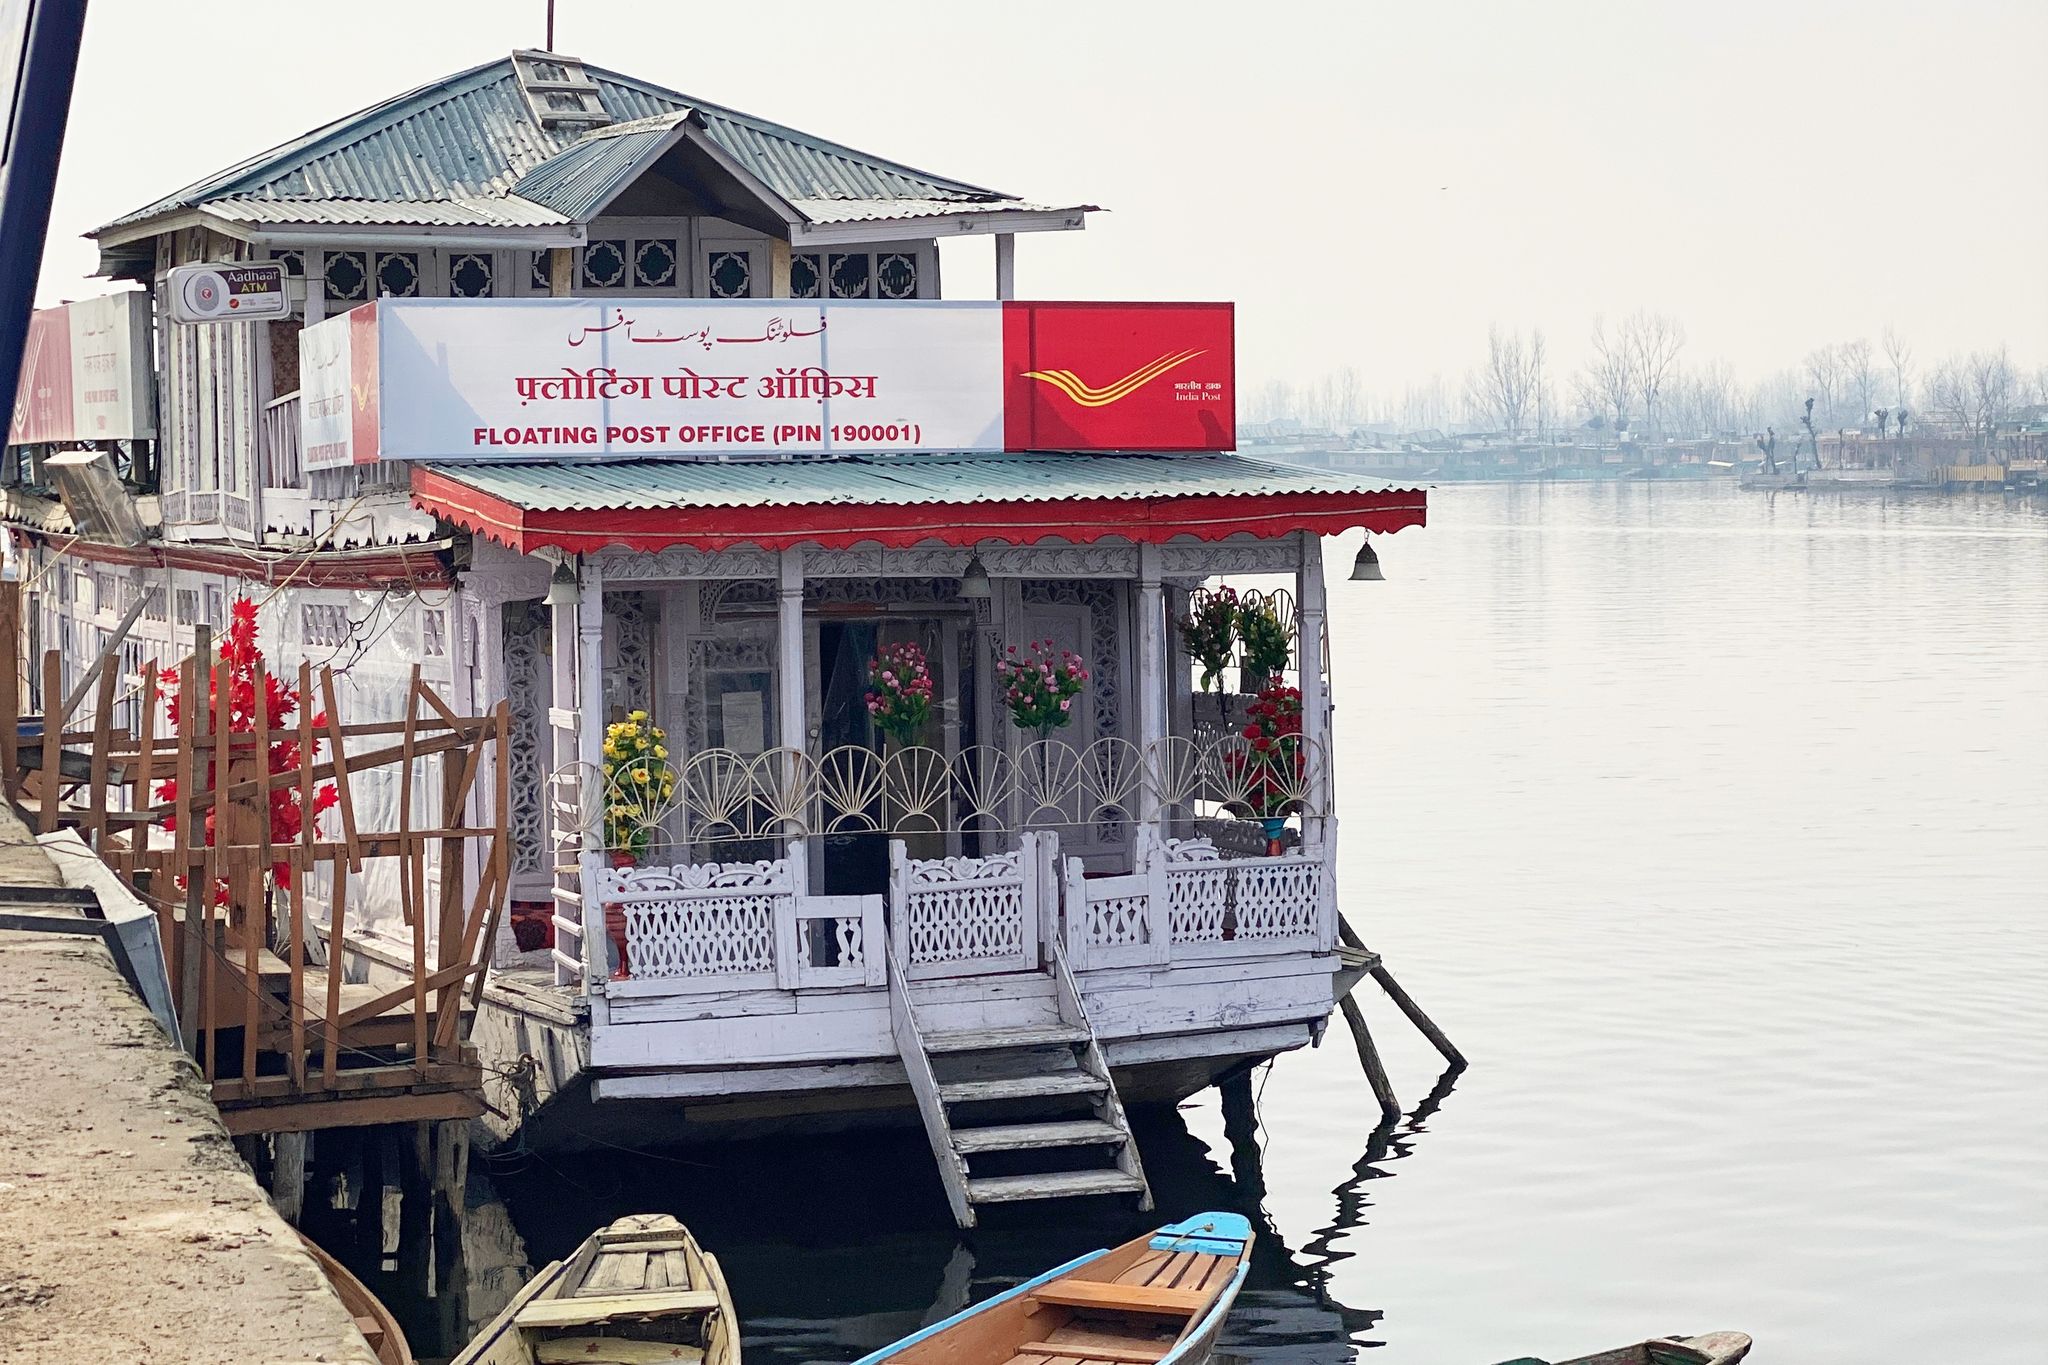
10	686
52	777
1369	1058
1418	1018
1401	998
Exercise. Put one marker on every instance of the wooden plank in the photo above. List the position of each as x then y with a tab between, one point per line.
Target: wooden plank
501	853
1110	1350
412	874
305	1116
337	765
96	792
10	686
145	766
295	899
1122	1298
577	1312
1052	1185
337	918
48	780
613	1351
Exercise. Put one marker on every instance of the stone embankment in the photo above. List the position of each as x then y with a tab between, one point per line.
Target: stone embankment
130	1231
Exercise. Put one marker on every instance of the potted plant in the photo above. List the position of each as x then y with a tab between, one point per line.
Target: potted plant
1038	685
899	692
1270	772
1209	630
639	783
1267	647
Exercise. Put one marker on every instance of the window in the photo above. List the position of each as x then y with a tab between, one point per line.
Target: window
434	634
188	606
654	264
216	606
851	276
469	276
604	265
294	262
325	625
398	274
730	275
346	276
543	274
896	275
804	271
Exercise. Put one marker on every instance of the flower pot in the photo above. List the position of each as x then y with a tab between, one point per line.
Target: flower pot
1276	830
615	930
622	858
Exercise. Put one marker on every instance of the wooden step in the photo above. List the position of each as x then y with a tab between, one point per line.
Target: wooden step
1022	1087
1126	1298
1018	1137
990	1040
998	1189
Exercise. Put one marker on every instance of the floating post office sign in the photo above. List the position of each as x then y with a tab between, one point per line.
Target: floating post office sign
552	379
229	291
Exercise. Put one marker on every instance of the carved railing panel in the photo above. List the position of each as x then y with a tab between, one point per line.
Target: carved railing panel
714	922
964	916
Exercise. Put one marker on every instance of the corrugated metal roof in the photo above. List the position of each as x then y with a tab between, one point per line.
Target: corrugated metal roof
890	480
871	210
510	211
582	179
473	135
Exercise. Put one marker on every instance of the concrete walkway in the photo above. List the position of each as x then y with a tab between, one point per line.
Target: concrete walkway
129	1229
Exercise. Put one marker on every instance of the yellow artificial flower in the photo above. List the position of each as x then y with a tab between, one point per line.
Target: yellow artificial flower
660	752
636	715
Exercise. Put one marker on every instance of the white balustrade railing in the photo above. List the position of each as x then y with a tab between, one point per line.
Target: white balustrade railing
719	795
967	916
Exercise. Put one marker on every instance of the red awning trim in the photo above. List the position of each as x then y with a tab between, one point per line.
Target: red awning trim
836	526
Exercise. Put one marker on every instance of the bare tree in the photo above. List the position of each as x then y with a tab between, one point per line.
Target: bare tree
1607	385
1976	393
1502	392
1824	380
1859	377
1899	355
1650	344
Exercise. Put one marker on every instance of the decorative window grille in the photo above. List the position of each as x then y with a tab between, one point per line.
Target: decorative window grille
805	270
469	276
188	606
294	262
154	607
325	625
852	276
398	274
434	634
604	265
346	276
896	275
543	273
654	263
216	606
731	275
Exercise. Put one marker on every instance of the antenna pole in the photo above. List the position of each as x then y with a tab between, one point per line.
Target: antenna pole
551	26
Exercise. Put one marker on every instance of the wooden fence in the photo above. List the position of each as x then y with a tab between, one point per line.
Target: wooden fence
286	1041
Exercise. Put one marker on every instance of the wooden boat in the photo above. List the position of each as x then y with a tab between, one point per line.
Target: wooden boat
636	1293
373	1319
1158	1300
1715	1348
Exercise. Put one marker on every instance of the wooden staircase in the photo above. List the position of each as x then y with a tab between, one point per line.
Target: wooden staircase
1019	1113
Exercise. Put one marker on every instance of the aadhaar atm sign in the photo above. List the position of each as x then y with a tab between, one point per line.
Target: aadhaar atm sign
553	379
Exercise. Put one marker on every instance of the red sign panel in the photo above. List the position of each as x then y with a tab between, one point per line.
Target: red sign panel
1119	376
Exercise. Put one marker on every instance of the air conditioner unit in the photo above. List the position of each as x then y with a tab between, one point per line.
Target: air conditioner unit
100	508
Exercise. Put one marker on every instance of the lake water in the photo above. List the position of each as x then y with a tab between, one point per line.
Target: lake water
1714	828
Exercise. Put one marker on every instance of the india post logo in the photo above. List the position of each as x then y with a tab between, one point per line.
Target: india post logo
1119	376
1088	396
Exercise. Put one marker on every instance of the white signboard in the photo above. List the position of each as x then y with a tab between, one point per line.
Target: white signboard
546	378
229	291
85	373
325	403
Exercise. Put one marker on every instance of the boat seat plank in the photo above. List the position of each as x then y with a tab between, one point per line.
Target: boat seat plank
1176	1270
1128	1351
578	1311
614	1351
1125	1298
675	1268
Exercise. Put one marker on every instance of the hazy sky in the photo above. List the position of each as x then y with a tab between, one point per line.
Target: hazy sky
1373	184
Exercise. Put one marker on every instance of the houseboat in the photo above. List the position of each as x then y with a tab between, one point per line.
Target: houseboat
921	714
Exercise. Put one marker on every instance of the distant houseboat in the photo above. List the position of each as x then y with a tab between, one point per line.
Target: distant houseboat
636	411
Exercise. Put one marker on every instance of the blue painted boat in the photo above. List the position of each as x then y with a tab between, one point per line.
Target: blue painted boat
1157	1300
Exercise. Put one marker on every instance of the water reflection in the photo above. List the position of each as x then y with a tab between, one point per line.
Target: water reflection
836	1247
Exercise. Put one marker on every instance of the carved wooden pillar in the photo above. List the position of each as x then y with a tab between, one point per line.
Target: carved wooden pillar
1315	701
590	724
1151	688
